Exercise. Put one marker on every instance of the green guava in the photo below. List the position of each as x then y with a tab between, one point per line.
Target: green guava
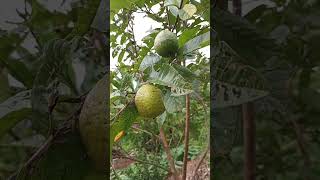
149	101
93	124
166	43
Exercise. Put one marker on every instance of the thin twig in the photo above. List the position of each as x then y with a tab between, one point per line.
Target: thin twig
119	112
115	173
200	162
133	40
186	138
41	150
128	156
169	156
237	8
145	162
101	44
177	19
168	19
53	100
301	142
65	128
145	131
12	134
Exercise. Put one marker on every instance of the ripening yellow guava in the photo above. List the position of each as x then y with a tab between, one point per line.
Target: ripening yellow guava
166	43
149	101
93	124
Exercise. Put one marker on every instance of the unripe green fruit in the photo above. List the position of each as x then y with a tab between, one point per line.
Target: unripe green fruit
93	124
166	43
149	101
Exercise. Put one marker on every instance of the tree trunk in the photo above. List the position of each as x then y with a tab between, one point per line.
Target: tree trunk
249	141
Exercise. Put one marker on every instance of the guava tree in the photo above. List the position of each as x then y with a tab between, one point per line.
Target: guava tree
50	61
160	89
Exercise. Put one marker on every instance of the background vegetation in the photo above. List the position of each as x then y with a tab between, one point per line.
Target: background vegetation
272	51
48	63
187	73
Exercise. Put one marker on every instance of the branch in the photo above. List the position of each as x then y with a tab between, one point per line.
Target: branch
186	138
133	40
13	135
145	162
67	99
301	142
237	8
115	173
200	162
126	155
177	19
41	150
64	129
119	112
168	19
169	156
249	141
145	131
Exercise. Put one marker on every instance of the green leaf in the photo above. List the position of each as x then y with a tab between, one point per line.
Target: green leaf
13	110
235	83
173	103
230	69
30	142
172	3
251	44
185	72
230	95
162	118
169	76
72	163
187	34
101	21
149	60
56	56
187	11
8	43
196	43
174	10
86	16
255	13
120	57
4	86
123	122
116	5
45	23
19	71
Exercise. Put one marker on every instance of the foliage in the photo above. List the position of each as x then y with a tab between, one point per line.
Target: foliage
138	64
277	47
40	106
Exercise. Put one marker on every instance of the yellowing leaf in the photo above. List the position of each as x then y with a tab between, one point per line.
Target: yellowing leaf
118	136
187	11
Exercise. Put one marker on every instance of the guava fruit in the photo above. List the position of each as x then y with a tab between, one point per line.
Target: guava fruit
166	43
93	124
148	101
